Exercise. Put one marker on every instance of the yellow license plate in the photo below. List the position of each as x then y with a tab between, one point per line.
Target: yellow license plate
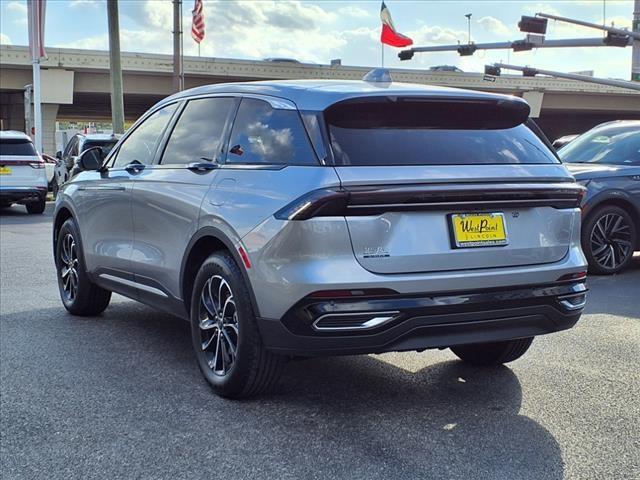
5	171
478	229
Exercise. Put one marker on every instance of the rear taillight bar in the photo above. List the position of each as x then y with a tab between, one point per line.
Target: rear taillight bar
23	163
376	200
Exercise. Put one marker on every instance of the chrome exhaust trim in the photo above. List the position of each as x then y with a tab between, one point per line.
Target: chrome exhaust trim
363	321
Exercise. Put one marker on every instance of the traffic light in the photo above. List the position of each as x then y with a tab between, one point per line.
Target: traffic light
533	25
492	70
616	40
467	50
406	55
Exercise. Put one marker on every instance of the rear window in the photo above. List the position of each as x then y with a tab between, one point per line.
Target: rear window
441	132
107	145
17	148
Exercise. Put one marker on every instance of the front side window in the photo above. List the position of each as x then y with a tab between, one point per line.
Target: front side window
264	135
140	146
197	136
68	151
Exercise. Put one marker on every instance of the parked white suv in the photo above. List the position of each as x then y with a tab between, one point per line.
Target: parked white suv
23	178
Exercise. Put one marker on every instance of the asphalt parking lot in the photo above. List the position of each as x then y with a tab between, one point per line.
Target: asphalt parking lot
120	396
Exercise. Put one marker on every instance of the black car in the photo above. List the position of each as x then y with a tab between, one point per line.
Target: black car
606	160
75	146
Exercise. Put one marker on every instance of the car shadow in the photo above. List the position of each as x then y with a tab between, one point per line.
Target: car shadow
344	417
615	294
18	215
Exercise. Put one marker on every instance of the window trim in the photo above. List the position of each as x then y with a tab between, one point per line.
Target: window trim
113	155
264	165
226	131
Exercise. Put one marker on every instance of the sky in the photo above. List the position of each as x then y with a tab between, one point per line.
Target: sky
318	31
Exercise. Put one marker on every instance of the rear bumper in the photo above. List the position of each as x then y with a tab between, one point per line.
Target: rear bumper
417	322
22	194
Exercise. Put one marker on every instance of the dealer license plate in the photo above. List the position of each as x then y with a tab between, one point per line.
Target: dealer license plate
478	229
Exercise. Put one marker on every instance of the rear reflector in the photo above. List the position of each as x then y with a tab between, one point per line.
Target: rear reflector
367	292
573	276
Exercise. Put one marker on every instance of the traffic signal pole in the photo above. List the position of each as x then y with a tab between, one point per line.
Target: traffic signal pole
635	55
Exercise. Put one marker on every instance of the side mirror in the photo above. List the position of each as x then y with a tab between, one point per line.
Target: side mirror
91	159
59	155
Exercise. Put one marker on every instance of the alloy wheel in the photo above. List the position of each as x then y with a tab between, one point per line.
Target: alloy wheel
218	322
611	241
69	267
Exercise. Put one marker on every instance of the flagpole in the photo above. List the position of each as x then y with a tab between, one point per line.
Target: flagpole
35	11
382	51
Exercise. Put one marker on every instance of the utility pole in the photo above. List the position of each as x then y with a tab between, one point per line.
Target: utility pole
178	77
635	54
117	102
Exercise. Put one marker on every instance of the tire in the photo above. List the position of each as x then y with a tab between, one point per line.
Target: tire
252	370
86	299
608	239
36	207
54	187
491	354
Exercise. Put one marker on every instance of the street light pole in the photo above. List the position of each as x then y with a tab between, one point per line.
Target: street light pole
178	78
468	15
117	102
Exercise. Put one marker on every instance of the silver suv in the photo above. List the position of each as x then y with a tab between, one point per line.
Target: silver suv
309	218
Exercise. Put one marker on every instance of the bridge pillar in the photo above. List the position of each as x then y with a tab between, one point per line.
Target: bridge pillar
49	115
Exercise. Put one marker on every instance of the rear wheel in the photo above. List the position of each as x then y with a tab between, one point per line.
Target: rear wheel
79	295
37	207
608	239
225	335
495	353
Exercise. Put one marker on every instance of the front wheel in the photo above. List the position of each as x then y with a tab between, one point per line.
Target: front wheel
608	239
495	353
79	295
225	335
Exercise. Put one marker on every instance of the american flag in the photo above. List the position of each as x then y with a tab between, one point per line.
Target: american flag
197	24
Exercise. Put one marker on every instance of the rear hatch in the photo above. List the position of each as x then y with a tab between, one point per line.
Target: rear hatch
441	185
20	164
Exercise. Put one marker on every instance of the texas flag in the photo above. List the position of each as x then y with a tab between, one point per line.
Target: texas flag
389	35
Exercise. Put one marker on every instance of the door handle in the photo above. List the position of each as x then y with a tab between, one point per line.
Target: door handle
202	166
134	167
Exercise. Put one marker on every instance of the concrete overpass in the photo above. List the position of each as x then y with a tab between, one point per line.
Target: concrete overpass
563	106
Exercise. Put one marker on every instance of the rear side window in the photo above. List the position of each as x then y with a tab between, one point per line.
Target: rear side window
264	135
198	133
17	147
140	146
391	132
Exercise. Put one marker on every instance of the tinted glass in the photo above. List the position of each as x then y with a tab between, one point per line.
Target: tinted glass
68	150
17	147
262	134
140	146
197	135
107	145
607	145
386	133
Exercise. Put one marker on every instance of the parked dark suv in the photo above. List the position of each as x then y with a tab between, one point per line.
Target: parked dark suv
310	218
